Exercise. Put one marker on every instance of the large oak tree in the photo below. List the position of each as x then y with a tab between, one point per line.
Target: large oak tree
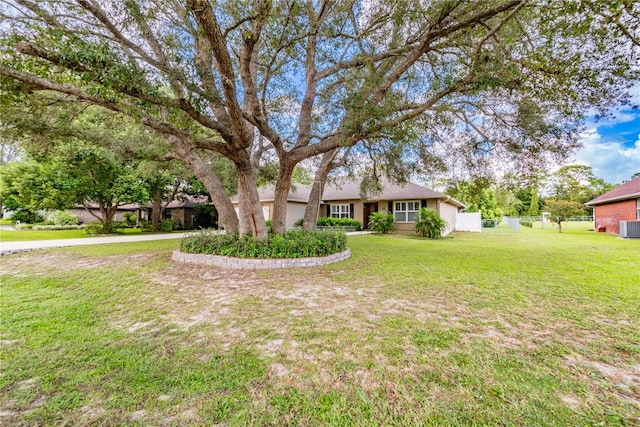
311	78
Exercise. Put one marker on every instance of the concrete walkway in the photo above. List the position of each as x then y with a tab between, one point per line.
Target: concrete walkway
7	248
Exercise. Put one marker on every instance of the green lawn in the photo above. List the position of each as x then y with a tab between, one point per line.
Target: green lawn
498	328
20	235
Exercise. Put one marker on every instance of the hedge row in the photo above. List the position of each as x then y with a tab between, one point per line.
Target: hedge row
335	222
293	244
58	227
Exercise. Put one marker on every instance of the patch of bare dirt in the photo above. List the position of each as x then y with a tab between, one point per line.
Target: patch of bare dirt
625	378
571	401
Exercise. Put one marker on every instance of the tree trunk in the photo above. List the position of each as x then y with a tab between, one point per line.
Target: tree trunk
242	214
317	189
250	199
283	185
227	217
156	209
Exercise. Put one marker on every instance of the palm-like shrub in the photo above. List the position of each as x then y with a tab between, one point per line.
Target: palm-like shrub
430	224
381	223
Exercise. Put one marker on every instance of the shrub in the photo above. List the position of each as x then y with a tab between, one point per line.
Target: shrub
430	224
23	226
298	223
381	223
107	228
145	225
526	223
293	244
129	218
58	227
62	218
26	216
339	222
94	228
168	225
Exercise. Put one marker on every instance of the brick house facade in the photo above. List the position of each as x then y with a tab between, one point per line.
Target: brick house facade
620	204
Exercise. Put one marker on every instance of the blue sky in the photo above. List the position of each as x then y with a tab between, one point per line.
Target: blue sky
612	146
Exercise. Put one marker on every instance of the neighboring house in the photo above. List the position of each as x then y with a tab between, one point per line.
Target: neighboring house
620	204
86	217
343	200
185	210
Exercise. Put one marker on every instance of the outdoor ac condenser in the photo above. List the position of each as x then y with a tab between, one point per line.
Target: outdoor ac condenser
630	229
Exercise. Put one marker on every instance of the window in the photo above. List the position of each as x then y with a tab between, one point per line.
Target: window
406	211
339	211
637	208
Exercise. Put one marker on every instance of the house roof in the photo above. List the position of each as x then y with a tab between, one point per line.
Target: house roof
628	190
349	190
297	193
185	201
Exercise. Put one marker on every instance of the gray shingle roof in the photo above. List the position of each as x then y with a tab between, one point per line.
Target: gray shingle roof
346	189
267	193
349	189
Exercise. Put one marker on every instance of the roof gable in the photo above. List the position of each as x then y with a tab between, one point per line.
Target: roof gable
628	190
350	190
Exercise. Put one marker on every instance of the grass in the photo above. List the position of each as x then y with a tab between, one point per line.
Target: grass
498	328
22	235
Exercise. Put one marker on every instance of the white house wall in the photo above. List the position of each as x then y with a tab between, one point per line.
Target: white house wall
449	213
295	212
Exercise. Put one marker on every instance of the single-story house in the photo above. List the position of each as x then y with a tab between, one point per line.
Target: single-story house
184	208
86	217
343	200
620	204
188	211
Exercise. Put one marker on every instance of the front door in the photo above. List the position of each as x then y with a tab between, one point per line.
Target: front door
368	210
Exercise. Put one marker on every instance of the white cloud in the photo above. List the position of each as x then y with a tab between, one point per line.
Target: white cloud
610	160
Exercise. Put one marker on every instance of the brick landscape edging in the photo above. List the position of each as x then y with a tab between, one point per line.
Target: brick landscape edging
258	263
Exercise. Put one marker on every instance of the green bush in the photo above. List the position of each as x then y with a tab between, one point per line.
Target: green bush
26	216
526	223
381	223
58	227
23	226
145	225
293	244
339	222
129	218
168	225
430	224
62	218
108	228
298	223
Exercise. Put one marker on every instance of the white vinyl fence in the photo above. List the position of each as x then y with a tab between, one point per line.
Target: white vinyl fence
469	221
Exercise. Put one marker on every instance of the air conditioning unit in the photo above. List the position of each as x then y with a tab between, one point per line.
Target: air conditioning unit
630	229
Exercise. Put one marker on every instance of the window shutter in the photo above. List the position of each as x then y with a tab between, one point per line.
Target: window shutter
351	210
424	203
328	210
390	207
